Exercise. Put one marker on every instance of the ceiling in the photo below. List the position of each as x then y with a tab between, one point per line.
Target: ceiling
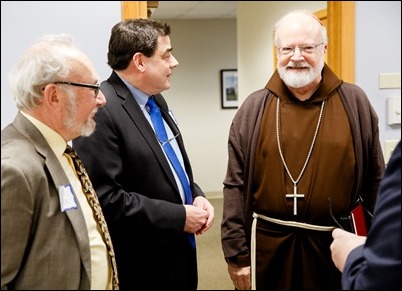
195	10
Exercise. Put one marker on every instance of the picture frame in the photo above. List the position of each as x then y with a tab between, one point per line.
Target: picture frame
229	89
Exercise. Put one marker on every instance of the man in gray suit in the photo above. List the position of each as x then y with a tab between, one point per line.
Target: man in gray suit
49	236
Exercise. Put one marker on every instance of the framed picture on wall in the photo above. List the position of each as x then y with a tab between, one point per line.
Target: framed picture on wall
229	93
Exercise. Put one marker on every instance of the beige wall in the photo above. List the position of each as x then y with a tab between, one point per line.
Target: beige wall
203	48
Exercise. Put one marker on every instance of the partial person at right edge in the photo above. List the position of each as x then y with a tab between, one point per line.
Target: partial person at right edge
374	262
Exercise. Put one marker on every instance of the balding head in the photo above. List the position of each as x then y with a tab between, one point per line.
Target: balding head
296	23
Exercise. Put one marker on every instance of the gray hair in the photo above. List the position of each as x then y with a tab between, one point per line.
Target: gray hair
46	61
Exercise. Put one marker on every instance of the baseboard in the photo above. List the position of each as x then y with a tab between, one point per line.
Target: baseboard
214	195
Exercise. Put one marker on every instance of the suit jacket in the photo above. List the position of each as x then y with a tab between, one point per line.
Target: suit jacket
138	193
41	247
377	264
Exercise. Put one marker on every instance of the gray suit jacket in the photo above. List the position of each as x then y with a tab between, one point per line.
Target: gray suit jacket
41	246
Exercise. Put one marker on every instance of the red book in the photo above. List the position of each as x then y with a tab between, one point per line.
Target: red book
359	220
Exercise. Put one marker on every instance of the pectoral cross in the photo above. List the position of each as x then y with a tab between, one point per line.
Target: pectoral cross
294	196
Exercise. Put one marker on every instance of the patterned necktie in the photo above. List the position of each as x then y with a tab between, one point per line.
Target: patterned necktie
96	208
157	121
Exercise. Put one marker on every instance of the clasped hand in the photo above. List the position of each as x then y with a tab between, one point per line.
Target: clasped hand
199	216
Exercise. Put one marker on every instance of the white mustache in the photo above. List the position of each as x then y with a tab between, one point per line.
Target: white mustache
298	65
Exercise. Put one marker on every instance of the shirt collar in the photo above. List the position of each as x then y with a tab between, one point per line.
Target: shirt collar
139	96
55	140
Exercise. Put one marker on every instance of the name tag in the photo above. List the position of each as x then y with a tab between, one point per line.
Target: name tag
67	198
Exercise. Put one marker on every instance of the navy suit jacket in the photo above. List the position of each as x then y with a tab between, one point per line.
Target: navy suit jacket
376	265
138	193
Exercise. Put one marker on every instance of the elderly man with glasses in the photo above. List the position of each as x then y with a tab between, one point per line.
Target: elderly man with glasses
306	138
52	232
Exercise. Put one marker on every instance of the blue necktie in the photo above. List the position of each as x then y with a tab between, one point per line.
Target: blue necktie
160	130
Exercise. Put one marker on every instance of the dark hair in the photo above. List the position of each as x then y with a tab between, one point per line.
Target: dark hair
131	36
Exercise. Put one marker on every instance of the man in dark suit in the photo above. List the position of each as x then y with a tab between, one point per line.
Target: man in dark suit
374	262
140	192
50	239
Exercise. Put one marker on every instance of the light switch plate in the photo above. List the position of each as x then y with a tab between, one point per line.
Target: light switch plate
394	110
390	80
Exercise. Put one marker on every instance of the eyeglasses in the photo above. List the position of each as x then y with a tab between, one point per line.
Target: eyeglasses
95	87
332	214
303	49
168	140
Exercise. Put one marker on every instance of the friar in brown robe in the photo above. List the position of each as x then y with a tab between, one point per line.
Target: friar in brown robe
292	163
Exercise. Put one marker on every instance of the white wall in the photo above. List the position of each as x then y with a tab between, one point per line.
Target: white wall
203	47
379	54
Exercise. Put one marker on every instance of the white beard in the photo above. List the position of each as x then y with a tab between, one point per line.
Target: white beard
84	129
299	79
